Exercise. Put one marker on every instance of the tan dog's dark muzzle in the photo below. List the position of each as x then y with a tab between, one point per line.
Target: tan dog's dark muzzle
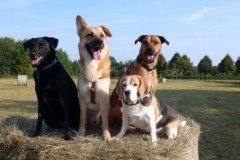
150	53
95	48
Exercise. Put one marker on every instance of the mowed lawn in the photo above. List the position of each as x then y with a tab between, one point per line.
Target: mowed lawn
216	106
213	104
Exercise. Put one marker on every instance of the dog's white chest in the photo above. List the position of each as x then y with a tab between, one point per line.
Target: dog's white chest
138	115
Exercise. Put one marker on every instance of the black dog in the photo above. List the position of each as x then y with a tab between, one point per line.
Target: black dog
58	103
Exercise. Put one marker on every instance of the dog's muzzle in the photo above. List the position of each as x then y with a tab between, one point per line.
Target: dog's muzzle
95	48
150	53
35	58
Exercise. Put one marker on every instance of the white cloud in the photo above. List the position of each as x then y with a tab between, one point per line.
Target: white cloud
195	16
7	4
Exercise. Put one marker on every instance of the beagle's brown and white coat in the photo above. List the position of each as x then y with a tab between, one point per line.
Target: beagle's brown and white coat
142	109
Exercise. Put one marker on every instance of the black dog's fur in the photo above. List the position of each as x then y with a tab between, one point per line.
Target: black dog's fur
58	103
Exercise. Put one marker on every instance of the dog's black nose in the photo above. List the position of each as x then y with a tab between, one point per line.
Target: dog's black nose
150	50
127	92
98	43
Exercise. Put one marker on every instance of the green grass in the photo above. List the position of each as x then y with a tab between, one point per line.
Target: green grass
213	104
216	106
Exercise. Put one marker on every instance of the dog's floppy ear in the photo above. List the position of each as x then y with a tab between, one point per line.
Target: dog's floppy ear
27	44
52	41
163	40
81	24
142	87
106	31
140	38
119	89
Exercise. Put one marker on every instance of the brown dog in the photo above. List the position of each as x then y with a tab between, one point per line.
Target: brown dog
94	78
144	65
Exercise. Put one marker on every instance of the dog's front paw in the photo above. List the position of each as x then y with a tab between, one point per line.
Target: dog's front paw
67	137
107	136
115	138
36	133
81	133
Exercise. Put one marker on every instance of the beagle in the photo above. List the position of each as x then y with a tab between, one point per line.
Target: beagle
142	109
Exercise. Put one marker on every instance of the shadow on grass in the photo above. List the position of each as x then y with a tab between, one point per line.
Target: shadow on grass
217	112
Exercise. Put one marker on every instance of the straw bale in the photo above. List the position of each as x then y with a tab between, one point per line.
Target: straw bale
16	143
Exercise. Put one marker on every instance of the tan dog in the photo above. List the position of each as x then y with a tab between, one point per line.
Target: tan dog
142	110
144	65
94	78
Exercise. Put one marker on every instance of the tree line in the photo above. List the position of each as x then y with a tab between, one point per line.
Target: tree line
15	60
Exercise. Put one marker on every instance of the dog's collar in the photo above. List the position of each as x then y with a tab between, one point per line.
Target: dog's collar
46	67
149	69
137	102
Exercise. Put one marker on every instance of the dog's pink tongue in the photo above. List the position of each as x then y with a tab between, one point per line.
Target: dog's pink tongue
97	54
151	57
35	61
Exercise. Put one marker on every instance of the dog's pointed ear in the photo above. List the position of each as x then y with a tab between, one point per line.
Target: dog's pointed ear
119	90
52	41
106	31
140	38
142	87
163	40
81	24
26	44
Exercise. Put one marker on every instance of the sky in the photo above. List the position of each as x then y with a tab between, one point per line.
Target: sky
195	28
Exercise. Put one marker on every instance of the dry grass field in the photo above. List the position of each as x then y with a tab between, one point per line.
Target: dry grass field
214	105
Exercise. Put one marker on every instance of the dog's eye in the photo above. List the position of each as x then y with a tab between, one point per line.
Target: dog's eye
156	42
101	35
124	85
90	34
144	42
135	84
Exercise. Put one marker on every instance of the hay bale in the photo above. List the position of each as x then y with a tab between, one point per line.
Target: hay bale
162	80
22	80
16	144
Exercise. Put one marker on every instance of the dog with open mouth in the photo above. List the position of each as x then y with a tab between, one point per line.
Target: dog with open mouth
94	78
144	65
57	96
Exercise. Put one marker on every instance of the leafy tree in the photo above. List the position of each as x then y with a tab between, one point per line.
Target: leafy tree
118	68
237	65
205	66
127	63
186	64
226	65
75	67
162	66
7	57
64	59
175	63
114	65
114	62
23	65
